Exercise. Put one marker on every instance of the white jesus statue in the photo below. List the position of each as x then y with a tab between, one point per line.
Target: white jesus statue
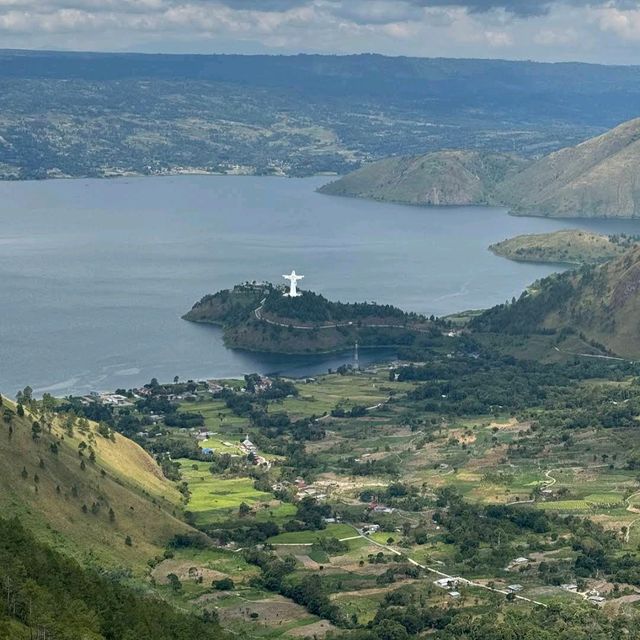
293	279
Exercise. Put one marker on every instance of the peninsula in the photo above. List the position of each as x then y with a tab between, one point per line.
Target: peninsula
569	246
258	317
597	178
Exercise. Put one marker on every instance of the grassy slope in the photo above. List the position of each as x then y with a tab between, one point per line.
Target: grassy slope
601	303
440	178
143	500
570	246
599	177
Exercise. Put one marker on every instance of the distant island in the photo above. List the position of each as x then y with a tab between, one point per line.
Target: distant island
569	246
598	178
258	317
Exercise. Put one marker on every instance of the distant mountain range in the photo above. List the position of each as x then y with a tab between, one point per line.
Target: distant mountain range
596	178
89	114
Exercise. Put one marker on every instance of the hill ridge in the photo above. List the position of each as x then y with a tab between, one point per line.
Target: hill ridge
600	303
599	177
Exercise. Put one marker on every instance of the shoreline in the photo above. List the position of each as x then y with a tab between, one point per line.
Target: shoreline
61	393
172	174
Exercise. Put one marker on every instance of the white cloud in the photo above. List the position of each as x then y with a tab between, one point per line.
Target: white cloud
594	30
622	23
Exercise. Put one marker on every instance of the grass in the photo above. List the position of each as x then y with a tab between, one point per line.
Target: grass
217	417
604	499
564	505
213	497
363	607
320	397
307	537
221	445
124	478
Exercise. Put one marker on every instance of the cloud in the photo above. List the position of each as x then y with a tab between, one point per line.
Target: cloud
623	23
594	30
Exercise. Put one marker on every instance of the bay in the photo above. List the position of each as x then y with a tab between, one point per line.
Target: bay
95	274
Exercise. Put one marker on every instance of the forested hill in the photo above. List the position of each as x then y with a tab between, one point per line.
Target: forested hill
568	246
602	303
47	595
261	318
89	114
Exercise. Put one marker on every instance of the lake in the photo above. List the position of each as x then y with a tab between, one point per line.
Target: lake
95	274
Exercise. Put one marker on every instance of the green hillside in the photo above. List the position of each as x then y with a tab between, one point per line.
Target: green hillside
438	178
600	303
597	178
569	246
47	595
98	498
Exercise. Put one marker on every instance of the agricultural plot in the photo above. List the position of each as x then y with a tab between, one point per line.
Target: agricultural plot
213	498
217	416
328	392
338	531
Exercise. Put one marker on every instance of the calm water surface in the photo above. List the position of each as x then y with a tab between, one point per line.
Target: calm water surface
95	274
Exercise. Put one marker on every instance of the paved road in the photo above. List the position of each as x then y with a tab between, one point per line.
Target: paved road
446	575
592	355
258	314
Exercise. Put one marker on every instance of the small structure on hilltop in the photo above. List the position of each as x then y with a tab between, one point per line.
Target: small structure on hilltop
293	288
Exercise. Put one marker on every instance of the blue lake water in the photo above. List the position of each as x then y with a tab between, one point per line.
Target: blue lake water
95	274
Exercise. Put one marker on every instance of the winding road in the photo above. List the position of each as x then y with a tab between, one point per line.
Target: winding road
445	575
259	316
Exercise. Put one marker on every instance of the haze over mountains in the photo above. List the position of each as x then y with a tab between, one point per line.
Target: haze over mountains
82	114
596	178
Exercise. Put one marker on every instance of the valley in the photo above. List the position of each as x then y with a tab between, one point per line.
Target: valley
102	115
233	407
319	505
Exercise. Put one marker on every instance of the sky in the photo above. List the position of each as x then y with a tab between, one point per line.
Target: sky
605	31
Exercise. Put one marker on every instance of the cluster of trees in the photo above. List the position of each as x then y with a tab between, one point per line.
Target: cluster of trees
389	466
490	383
398	495
527	314
184	419
313	307
357	411
47	595
272	426
484	535
309	590
276	389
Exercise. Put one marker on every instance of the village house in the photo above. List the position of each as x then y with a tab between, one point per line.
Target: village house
447	583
